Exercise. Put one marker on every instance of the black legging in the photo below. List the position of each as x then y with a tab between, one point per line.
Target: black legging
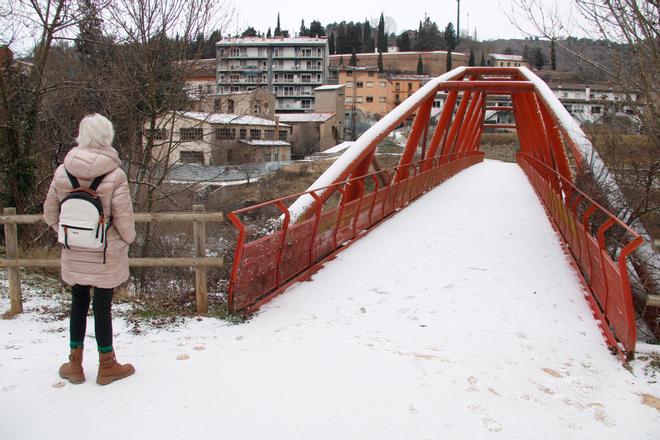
102	314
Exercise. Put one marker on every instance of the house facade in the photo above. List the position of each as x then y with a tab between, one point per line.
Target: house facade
311	132
291	68
258	102
505	60
219	139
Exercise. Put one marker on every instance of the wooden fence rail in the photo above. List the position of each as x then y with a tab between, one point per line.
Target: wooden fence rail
199	262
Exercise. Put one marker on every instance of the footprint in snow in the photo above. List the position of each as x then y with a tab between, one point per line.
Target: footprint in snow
183	357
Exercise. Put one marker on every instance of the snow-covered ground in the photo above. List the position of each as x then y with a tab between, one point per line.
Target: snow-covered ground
458	318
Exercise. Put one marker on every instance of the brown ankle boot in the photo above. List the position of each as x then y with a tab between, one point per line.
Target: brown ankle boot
73	370
111	370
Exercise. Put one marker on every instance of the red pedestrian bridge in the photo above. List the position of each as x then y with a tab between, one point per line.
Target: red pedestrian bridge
355	194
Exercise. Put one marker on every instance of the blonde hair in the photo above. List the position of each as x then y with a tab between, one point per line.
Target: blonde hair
95	131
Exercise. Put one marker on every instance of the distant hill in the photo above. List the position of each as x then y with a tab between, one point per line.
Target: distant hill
570	68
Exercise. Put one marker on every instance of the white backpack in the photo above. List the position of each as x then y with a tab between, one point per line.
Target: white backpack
82	223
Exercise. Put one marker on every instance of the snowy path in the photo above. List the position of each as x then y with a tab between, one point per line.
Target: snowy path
458	318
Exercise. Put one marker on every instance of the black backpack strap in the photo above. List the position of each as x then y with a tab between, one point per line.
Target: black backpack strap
74	181
96	182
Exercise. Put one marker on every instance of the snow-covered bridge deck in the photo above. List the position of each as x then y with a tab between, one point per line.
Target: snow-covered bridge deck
471	326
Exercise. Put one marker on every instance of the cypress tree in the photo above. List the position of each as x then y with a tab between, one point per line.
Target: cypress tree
381	38
353	61
303	29
553	55
380	62
341	60
331	43
471	60
483	59
538	58
278	29
420	65
525	53
367	38
449	60
269	34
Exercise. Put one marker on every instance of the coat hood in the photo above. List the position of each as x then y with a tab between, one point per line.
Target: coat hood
88	163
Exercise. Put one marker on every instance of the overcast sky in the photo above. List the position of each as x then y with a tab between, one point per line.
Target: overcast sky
487	16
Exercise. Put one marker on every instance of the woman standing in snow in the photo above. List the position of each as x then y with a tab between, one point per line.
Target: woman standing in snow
103	268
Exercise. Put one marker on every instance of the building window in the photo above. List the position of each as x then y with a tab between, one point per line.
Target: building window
349	100
230	155
349	73
255	133
370	83
230	106
242	133
359	84
382	99
191	134
596	109
191	157
269	135
282	134
382	84
409	86
349	85
217	105
370	99
267	156
397	86
276	156
358	99
306	103
397	98
225	134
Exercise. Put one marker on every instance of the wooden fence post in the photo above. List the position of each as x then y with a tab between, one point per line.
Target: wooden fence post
14	274
201	285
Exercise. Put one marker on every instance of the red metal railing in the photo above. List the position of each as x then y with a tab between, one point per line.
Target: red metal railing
265	266
600	244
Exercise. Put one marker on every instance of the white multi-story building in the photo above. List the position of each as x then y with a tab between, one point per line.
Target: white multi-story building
590	103
290	67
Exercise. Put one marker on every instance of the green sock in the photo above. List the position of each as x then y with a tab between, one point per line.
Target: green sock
107	349
75	344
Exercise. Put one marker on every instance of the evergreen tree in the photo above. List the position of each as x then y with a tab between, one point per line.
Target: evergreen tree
429	36
249	32
269	34
483	59
471	59
381	38
508	51
380	62
403	42
354	37
367	38
449	60
450	37
316	29
538	59
553	55
353	61
340	44
331	43
303	29
341	60
420	65
525	53
278	29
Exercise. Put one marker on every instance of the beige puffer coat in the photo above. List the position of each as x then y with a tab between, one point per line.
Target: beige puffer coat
85	266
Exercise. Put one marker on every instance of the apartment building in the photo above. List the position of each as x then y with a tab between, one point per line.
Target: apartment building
591	103
289	67
376	94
